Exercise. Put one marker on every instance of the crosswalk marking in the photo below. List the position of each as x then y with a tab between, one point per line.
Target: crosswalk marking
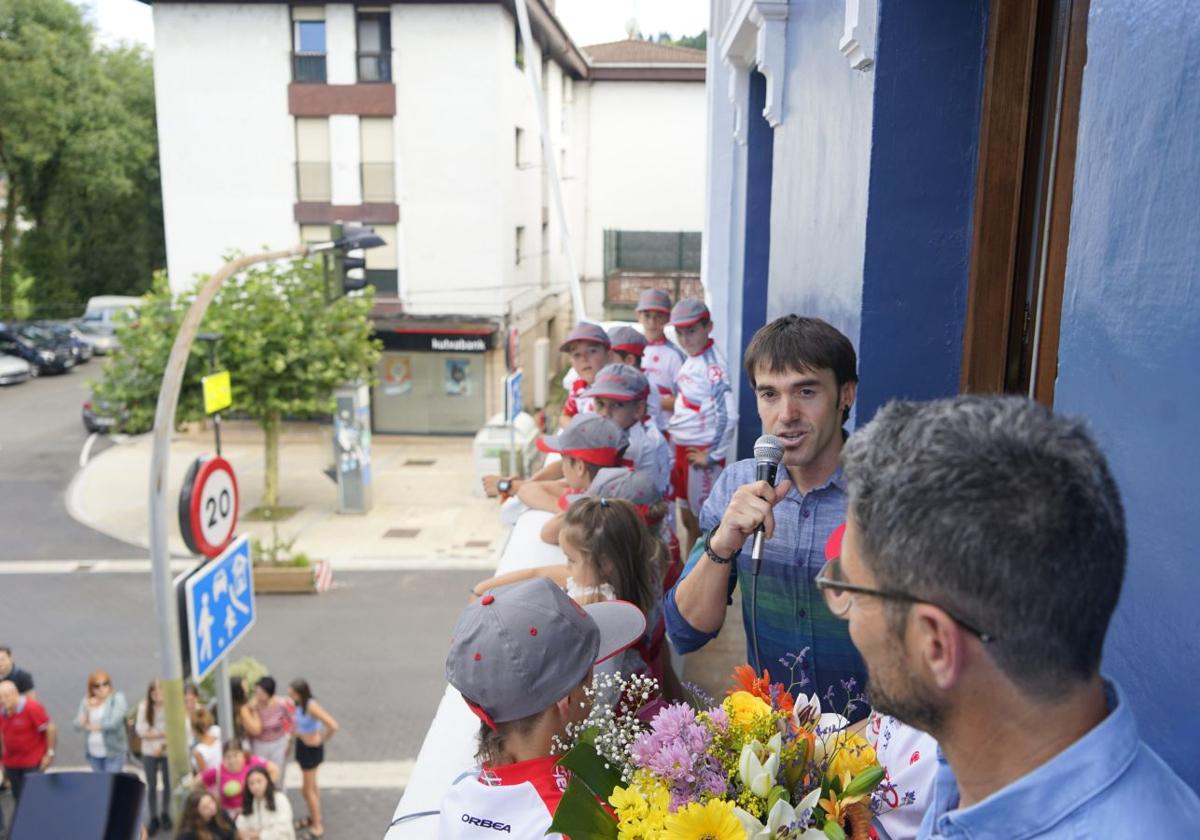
341	775
339	566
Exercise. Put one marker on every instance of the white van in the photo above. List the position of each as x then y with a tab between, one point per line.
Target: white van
103	311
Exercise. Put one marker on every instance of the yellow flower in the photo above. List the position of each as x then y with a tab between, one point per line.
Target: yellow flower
629	802
835	806
711	821
744	709
851	754
641	807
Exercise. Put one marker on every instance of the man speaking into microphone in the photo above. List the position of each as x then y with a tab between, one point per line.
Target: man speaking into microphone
804	374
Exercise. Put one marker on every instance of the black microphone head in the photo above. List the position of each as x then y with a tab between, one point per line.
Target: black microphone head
768	449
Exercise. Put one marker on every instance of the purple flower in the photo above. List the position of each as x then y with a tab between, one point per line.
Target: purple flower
675	749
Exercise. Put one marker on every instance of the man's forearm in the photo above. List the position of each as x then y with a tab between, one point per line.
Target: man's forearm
702	597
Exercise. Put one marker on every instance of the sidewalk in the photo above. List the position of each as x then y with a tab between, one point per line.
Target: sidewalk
422	497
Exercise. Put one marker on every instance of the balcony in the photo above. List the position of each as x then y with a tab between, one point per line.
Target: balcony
308	67
378	183
313	181
374	67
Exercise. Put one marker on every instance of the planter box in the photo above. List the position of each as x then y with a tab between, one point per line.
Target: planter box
288	580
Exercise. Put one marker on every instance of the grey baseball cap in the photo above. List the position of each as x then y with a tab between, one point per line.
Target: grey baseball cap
689	311
521	648
631	485
591	438
619	382
654	300
627	340
584	331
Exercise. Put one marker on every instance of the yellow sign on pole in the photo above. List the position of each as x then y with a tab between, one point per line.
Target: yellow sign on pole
218	392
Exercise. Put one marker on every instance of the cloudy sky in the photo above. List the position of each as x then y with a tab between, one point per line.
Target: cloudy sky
588	21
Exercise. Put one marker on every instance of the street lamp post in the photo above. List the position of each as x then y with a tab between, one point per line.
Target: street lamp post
165	606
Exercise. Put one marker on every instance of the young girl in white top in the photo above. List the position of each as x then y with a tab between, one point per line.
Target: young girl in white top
266	813
151	727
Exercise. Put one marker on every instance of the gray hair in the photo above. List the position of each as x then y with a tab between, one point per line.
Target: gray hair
1001	511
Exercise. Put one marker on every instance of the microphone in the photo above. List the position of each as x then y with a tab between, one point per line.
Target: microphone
768	452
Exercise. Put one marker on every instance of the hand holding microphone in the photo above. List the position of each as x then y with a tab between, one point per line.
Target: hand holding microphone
749	510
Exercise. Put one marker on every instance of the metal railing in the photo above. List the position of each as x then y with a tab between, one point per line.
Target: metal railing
378	182
314	181
374	67
308	67
651	251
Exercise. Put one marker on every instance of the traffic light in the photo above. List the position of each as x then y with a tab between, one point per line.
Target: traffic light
349	262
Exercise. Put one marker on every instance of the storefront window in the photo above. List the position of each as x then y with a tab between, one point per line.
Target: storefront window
429	393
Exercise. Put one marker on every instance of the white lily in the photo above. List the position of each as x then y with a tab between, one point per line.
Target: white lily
758	765
782	815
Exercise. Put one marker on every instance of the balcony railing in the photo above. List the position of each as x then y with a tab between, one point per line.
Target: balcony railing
374	67
313	181
308	67
378	183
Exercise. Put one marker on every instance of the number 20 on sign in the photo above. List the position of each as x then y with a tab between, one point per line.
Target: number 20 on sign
208	506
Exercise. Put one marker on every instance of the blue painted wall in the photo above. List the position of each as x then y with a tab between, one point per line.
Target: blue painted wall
928	86
760	144
1129	357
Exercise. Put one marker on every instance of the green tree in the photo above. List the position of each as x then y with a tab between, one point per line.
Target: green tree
284	346
78	155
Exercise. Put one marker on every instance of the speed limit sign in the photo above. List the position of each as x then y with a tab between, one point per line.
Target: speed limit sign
208	506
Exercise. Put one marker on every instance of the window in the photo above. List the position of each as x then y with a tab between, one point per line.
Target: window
520	146
312	159
374	47
308	44
520	243
545	254
383	263
518	47
378	168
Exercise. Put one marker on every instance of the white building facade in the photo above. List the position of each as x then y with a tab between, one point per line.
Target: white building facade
277	120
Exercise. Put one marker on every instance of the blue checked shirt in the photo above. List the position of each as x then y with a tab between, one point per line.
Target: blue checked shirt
1108	784
792	615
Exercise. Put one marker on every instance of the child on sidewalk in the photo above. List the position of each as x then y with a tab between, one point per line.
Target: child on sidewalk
705	417
661	359
588	443
521	657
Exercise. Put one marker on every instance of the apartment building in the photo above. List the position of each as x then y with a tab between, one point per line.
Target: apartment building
279	119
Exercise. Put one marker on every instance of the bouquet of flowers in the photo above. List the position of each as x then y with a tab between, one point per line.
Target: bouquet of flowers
762	764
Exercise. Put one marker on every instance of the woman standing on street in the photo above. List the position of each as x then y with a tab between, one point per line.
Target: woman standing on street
314	727
151	728
102	716
206	741
266	813
268	720
202	819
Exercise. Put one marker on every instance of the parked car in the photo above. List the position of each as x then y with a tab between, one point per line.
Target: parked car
40	352
14	369
80	349
100	337
109	309
101	415
44	338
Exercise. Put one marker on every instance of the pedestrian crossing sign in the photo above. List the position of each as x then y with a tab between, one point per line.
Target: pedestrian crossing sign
218	392
219	602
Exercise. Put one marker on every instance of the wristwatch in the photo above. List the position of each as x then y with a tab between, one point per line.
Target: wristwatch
712	555
504	486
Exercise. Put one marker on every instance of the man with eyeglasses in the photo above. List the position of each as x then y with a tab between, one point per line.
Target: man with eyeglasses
982	560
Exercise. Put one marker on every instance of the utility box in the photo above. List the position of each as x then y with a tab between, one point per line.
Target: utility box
501	450
352	447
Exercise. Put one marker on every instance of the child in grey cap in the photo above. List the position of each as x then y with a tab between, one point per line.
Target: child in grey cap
521	657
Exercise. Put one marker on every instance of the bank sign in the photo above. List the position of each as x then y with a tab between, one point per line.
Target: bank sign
428	342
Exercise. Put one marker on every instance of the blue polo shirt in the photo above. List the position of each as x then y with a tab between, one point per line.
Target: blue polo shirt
792	615
1106	784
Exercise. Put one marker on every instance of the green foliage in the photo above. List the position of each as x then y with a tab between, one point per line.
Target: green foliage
695	42
579	814
247	668
78	153
283	344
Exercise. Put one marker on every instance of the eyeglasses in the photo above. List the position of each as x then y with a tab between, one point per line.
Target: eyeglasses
837	594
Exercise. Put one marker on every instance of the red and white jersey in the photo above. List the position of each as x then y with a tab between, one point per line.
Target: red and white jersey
909	759
705	405
576	404
516	800
661	361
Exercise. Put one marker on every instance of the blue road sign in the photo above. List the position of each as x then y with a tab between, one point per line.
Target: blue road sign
513	403
219	601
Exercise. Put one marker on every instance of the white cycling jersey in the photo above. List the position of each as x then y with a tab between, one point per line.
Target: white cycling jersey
661	362
705	405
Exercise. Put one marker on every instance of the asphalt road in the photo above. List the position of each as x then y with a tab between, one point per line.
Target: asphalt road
41	439
372	648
